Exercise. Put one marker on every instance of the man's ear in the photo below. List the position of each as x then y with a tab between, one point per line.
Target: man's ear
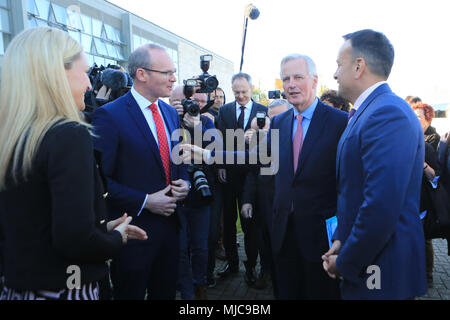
359	67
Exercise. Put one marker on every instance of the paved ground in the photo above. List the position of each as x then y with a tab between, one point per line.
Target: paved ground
235	288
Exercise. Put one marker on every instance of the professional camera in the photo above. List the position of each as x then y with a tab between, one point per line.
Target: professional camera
205	83
261	119
199	181
276	94
107	84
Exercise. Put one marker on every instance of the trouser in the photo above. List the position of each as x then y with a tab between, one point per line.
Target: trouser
193	249
232	205
300	279
214	225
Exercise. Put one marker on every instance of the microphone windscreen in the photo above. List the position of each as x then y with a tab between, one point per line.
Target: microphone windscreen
114	79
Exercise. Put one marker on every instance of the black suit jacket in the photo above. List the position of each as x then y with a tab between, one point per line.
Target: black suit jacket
56	218
227	119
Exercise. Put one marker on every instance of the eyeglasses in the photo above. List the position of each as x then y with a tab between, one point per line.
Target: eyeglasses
168	74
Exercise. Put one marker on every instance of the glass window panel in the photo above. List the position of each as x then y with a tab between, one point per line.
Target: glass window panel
111	50
41	23
110	34
99	61
86	42
87	24
43	8
60	14
2	46
4	20
101	47
74	19
75	35
31	7
90	59
97	28
118	35
119	53
4	41
32	23
4	3
109	61
136	42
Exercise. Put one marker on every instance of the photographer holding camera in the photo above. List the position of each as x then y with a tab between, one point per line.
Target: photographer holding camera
195	214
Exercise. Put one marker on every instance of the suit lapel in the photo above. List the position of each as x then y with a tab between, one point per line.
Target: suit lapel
315	129
142	125
384	88
253	111
285	131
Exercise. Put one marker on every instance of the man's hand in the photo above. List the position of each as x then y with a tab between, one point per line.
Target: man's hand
180	189
178	106
247	210
249	134
191	121
209	115
222	175
193	152
161	202
329	260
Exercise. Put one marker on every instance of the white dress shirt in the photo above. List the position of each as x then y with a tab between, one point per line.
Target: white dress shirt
248	110
366	94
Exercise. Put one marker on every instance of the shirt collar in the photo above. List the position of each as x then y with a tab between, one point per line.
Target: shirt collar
247	106
308	113
366	94
142	102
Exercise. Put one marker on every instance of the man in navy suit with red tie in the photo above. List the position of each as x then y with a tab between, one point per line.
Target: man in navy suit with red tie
134	136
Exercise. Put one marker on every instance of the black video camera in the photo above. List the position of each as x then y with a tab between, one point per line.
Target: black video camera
117	82
206	84
276	94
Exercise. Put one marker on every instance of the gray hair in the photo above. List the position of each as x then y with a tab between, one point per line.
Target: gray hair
279	102
141	58
242	75
312	70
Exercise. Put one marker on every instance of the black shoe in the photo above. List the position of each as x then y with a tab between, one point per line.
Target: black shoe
250	276
227	270
211	282
261	282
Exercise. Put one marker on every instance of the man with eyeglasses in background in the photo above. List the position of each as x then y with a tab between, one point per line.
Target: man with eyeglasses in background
133	135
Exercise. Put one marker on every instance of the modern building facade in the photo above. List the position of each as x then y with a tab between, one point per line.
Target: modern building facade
108	34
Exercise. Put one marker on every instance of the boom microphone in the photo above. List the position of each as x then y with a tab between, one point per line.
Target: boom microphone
114	79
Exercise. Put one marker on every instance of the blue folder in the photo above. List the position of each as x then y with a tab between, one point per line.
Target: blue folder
331	227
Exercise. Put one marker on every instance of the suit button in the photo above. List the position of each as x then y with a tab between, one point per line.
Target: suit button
102	222
105	195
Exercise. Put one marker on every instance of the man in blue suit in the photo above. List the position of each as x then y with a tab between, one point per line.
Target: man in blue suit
378	250
134	136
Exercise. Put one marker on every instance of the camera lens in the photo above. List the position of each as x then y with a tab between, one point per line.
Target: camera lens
211	83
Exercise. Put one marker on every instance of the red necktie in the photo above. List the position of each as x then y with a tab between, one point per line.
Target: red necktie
162	139
298	141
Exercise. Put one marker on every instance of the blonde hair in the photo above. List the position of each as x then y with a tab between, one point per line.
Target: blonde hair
34	95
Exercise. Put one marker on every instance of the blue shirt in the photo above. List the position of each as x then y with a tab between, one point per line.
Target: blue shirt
307	117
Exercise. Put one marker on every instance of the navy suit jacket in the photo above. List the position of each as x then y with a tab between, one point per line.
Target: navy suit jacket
379	172
312	189
130	157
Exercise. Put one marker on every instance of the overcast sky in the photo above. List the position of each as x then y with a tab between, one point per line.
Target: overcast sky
418	30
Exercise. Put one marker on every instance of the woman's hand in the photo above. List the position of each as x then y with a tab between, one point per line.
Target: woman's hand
127	231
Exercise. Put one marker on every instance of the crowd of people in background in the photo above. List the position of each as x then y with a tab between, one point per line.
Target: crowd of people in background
95	207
